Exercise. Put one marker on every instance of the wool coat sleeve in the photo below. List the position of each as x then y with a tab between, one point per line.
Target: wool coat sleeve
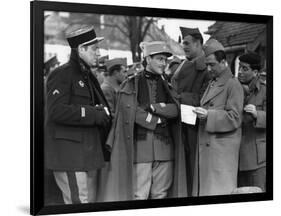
168	110
146	119
229	118
59	108
110	96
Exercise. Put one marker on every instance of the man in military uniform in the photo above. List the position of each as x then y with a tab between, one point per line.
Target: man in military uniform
190	81
252	166
77	121
147	156
219	136
115	75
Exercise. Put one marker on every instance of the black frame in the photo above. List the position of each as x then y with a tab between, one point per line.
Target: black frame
37	114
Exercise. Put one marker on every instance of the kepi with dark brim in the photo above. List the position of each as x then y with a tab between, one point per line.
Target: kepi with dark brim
116	61
155	47
211	46
251	58
82	35
189	31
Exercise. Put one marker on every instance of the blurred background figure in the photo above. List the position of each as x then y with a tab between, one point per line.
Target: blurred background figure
113	77
100	70
172	66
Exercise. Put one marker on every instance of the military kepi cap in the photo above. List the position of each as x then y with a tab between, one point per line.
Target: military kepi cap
251	58
82	35
211	46
189	31
155	47
116	61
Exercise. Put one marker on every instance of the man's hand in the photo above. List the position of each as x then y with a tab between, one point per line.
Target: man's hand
201	112
250	108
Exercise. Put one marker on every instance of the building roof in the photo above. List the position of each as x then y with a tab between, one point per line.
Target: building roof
234	33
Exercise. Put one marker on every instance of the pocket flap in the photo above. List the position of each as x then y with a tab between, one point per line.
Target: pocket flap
68	134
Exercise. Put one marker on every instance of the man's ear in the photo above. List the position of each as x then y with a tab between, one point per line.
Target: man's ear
255	72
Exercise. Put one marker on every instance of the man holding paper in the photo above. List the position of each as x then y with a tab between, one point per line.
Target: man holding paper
219	134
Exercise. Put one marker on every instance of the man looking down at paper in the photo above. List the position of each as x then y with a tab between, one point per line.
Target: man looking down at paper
219	133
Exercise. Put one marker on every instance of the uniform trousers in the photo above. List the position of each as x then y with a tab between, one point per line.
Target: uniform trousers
77	187
152	180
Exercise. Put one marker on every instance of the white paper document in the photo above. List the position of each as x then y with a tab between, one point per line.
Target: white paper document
187	114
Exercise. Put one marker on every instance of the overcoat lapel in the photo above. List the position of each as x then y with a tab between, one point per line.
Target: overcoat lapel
217	88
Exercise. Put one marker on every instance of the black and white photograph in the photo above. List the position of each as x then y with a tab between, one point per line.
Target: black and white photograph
143	108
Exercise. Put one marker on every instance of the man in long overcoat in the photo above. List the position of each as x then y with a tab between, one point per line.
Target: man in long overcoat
147	159
219	135
190	81
252	161
77	121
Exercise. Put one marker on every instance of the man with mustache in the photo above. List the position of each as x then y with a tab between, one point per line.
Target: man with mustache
252	166
220	115
190	81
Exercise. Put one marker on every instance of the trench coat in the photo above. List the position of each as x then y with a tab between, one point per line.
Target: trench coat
190	81
219	137
253	144
119	182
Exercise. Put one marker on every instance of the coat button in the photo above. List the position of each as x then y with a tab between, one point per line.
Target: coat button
127	122
128	137
208	144
128	105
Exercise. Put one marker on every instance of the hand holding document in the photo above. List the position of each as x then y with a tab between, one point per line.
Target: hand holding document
187	114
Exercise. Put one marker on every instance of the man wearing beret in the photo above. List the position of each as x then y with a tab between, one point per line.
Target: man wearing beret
77	121
115	75
252	162
219	135
147	160
190	81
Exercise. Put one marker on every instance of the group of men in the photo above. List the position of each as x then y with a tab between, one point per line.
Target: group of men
124	139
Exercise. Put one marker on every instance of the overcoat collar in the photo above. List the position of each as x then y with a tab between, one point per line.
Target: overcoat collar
216	87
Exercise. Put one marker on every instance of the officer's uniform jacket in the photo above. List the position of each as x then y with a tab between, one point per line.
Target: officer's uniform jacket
73	140
253	144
